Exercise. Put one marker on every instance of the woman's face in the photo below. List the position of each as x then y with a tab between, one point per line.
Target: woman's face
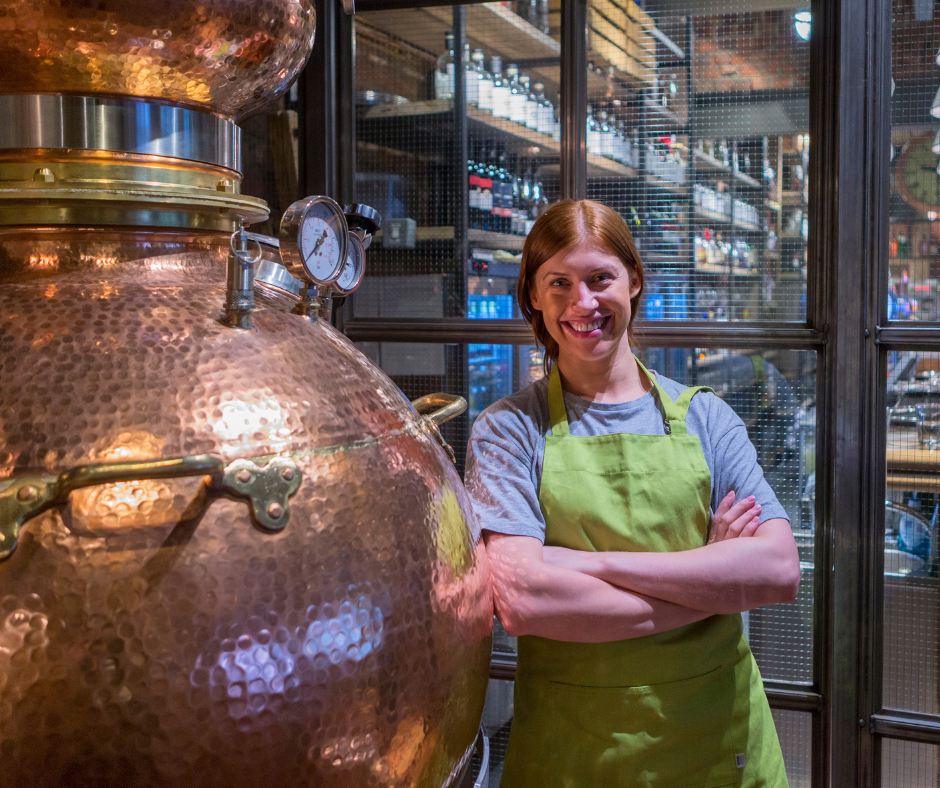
584	296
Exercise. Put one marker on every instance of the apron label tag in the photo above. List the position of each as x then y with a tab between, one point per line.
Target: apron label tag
739	760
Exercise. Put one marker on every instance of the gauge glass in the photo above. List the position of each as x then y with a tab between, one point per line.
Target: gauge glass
321	241
354	267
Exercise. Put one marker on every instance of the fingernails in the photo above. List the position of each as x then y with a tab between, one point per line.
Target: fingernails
758	507
755	520
751	498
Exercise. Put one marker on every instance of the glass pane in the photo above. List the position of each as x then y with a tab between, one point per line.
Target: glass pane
497	720
772	392
435	247
697	134
795	731
914	238
906	764
910	548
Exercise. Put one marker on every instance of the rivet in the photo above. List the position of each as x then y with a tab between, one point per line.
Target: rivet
287	474
25	492
275	510
225	185
44	175
244	476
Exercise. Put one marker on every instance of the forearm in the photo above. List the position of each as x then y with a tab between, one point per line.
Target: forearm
536	598
726	577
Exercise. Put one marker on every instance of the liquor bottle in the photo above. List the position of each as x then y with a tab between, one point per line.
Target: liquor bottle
473	200
485	91
517	97
485	198
444	79
608	139
556	122
501	90
593	133
531	104
546	112
471	78
543	25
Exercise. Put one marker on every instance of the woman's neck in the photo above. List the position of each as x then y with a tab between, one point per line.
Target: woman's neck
603	381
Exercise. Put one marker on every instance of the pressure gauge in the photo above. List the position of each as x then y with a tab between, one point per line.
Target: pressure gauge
351	276
314	240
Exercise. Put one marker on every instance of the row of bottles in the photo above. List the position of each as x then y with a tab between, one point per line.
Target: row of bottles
535	12
501	201
511	96
608	137
712	250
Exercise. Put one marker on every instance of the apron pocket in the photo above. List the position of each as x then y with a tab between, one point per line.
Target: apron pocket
673	735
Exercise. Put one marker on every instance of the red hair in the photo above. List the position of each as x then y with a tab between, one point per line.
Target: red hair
566	225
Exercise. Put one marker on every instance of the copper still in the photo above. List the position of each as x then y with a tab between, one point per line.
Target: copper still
231	553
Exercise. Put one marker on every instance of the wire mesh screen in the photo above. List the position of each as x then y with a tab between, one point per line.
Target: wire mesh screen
914	237
459	168
795	731
697	133
906	764
912	503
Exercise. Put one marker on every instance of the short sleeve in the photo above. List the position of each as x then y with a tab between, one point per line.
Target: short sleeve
502	476
735	465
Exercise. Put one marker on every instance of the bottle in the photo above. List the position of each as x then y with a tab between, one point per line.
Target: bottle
608	137
544	6
556	121
471	78
475	190
444	73
531	104
546	112
495	193
485	89
593	133
485	194
517	97
501	91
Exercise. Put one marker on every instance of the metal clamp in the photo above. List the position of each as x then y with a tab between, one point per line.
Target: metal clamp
447	407
266	488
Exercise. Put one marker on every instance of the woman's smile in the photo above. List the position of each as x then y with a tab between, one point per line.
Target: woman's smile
583	328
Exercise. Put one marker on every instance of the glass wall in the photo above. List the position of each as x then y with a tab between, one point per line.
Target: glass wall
697	133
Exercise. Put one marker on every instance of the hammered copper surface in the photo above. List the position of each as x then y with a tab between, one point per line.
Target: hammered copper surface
151	635
227	56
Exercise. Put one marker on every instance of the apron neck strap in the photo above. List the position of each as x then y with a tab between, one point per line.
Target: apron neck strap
673	413
557	414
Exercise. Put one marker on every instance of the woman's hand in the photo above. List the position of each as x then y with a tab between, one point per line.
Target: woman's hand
734	518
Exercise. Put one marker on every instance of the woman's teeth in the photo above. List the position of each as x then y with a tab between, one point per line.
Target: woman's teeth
585	327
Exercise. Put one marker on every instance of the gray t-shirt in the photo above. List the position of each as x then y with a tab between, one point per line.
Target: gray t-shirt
507	444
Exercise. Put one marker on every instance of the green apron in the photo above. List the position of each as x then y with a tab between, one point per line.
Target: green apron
675	710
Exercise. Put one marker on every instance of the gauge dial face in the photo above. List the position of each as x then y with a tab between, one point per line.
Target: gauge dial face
354	267
322	233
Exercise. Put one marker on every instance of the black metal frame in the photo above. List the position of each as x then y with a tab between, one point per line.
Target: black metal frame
845	325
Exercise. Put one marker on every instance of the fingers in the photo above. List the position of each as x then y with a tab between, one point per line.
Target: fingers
745	521
725	505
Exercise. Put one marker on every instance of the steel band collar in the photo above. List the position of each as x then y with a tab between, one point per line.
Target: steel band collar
93	123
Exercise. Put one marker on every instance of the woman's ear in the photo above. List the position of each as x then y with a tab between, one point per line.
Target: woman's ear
534	298
634	285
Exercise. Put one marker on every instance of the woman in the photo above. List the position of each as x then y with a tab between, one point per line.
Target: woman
594	488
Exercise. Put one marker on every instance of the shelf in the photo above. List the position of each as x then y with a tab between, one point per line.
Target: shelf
724	269
480	238
713	165
792	198
669	186
722	218
664	114
490	27
519	138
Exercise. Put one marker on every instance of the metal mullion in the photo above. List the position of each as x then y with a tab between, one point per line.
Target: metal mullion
906	725
574	66
517	332
900	336
364	6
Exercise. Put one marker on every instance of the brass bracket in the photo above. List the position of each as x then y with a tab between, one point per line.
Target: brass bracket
267	488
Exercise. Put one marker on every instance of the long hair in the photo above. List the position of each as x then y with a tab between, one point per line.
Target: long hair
566	225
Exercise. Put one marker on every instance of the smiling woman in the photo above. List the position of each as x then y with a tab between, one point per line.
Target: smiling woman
628	525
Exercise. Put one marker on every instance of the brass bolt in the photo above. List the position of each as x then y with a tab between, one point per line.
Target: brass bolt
225	185
287	474
275	510
44	175
25	492
244	476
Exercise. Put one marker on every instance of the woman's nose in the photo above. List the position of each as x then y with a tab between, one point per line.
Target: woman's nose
586	297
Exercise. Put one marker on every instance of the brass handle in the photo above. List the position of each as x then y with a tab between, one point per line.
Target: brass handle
267	487
448	406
